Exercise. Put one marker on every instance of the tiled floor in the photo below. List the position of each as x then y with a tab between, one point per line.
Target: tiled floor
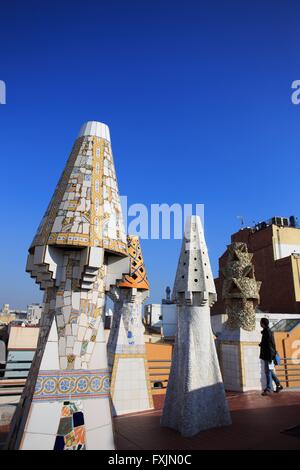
257	424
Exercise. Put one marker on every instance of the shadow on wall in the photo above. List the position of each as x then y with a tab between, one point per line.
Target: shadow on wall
242	369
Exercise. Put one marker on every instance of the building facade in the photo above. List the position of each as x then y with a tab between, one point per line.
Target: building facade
275	245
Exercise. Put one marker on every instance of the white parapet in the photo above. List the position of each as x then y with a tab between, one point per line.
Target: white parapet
241	367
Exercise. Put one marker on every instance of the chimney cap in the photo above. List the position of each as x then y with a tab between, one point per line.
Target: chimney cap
95	128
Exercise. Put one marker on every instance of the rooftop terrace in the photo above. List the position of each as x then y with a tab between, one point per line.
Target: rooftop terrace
258	423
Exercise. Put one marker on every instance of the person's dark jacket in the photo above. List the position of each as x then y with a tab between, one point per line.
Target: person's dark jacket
267	345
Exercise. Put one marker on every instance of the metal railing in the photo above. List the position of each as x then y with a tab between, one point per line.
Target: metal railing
289	371
156	378
13	378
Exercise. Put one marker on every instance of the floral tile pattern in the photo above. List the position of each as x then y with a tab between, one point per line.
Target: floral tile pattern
72	384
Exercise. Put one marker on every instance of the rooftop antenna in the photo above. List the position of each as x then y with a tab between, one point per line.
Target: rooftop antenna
168	293
241	217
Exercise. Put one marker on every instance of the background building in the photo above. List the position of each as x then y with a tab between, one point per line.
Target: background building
162	318
153	316
34	312
8	315
31	315
275	245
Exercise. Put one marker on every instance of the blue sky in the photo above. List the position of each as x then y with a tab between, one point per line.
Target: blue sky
197	97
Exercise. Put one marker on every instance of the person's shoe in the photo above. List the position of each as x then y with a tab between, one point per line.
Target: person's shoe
266	392
278	388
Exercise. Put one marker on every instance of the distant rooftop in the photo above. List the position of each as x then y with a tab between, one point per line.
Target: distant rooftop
291	221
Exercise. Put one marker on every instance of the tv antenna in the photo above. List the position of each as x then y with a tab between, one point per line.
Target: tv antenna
241	218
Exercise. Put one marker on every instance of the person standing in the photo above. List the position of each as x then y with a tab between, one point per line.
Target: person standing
268	354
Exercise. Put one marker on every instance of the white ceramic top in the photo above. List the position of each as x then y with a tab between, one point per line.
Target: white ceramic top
95	128
194	272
